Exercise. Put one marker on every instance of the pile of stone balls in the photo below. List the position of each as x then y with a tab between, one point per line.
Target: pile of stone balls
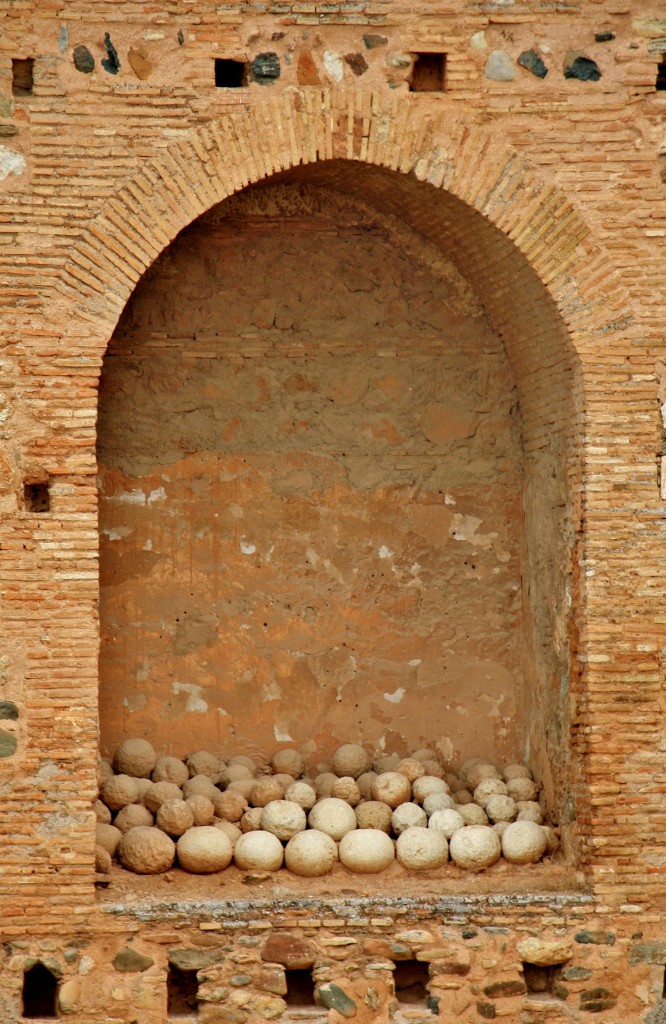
204	813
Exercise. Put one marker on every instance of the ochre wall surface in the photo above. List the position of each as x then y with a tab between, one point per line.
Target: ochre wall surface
547	196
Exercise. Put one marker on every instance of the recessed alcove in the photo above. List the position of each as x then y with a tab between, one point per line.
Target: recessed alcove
335	443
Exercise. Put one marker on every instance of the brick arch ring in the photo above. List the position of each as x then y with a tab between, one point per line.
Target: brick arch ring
298	128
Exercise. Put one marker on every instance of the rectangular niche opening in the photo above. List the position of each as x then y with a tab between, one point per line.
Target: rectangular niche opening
542	982
300	989
230	74
22	76
411	979
429	72
36	497
40	993
182	993
661	76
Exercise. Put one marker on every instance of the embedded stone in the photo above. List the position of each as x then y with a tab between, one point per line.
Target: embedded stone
647	952
334	998
591	938
371	41
500	67
83	60
130	961
293	953
505	988
576	973
192	959
577	65
595	1000
357	63
531	61
7	743
8	710
265	68
544	954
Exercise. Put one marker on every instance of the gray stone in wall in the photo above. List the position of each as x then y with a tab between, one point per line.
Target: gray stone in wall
500	67
334	998
648	953
531	61
7	743
265	68
8	710
577	65
129	961
83	60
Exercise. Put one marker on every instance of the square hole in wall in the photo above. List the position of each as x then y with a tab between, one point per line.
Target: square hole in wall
230	74
36	496
182	993
429	72
40	993
411	979
543	982
661	76
22	76
300	988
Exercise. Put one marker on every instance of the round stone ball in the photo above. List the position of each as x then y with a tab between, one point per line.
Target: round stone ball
104	771
364	783
463	796
142	787
200	785
421	849
488	788
324	783
310	854
501	808
170	769
406	816
530	810
410	768
346	789
132	816
204	849
203	809
475	774
472	814
242	786
175	817
366	851
201	762
447	821
159	792
235	772
119	791
453	782
392	788
146	851
250	762
475	847
516	771
303	794
438	802
258	851
385	763
135	757
351	759
251	820
425	786
333	817
552	839
109	837
288	761
374	814
524	842
283	818
424	754
102	813
230	806
264	791
434	769
232	832
500	827
284	780
102	860
522	789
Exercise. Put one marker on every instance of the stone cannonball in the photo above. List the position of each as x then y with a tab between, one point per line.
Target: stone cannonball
230	806
175	817
421	849
516	771
524	842
408	816
288	761
434	769
142	786
366	851
131	816
302	794
446	821
324	783
243	786
529	810
410	768
251	820
501	808
391	788
522	789
283	818
475	847
264	791
109	837
200	785
146	851
552	839
234	773
427	785
253	763
204	849
424	754
119	791
104	771
345	788
102	813
232	832
333	817
351	759
201	762
472	814
385	763
170	769
102	860
202	808
364	783
438	802
310	854
135	757
158	793
488	788
284	780
500	827
258	851
475	774
374	814
463	796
